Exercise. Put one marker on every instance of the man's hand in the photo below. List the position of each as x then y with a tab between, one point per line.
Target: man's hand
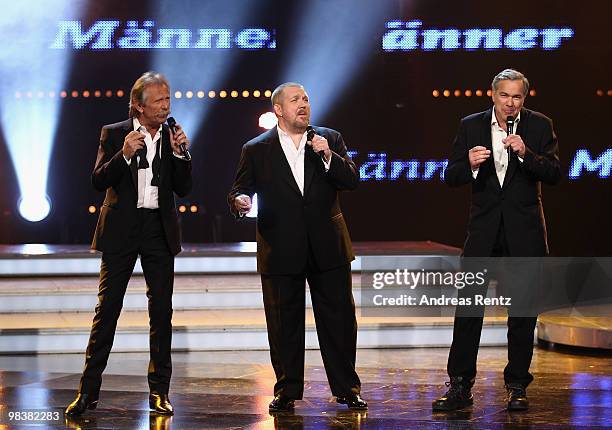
178	138
319	143
242	203
515	142
477	156
132	143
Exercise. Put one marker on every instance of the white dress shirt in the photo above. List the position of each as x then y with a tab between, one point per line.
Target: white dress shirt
295	156
147	193
500	153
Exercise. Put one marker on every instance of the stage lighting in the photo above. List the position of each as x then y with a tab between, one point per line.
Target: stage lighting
182	209
268	120
193	209
34	208
92	209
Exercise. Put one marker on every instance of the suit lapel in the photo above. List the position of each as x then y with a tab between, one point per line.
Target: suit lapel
279	161
127	127
489	165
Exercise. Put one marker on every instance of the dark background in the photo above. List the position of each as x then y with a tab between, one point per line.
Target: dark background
386	107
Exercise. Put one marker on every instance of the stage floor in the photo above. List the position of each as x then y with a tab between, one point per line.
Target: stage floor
228	389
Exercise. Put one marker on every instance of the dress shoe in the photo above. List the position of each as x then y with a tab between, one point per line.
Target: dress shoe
281	404
81	403
353	401
160	403
458	396
517	397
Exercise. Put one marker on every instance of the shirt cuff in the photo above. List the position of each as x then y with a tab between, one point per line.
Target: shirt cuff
327	164
178	156
520	159
475	173
127	161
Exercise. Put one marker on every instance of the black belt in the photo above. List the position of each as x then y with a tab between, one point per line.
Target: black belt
148	211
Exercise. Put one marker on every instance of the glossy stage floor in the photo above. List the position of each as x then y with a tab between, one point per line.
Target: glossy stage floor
231	390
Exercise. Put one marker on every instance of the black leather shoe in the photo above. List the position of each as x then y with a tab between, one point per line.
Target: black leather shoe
81	403
458	396
517	397
353	401
160	403
281	404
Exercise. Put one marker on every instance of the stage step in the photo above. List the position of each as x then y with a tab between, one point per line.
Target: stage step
228	329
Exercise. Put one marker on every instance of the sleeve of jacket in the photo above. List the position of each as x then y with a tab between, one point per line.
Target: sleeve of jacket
458	171
244	181
342	170
181	176
545	165
110	165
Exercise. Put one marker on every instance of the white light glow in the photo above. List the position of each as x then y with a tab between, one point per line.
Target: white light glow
268	120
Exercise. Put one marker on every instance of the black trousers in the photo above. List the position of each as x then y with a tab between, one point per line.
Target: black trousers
334	310
148	241
466	338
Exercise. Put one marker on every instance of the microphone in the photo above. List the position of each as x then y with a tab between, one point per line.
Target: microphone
184	152
509	131
310	133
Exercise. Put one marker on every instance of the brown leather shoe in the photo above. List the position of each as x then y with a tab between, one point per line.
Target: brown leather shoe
81	403
160	403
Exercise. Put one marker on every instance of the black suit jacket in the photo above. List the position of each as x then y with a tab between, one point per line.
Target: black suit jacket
519	199
287	222
118	215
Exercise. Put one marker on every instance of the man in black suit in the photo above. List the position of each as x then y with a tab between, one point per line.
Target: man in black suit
140	166
505	172
301	235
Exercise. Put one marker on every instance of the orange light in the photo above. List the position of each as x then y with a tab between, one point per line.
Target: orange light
457	93
610	92
85	93
468	93
193	209
489	93
479	93
268	93
532	93
63	94
182	209
234	94
245	93
97	93
212	94
600	93
92	209
74	94
435	93
222	94
256	93
446	93
108	93
120	93
189	94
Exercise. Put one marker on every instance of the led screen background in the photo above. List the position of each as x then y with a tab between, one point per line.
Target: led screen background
378	94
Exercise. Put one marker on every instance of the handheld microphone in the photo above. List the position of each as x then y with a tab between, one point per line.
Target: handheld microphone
310	133
184	152
509	131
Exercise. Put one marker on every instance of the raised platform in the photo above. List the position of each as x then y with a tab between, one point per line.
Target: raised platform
585	327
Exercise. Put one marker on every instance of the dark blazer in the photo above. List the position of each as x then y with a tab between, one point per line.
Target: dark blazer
519	200
118	215
287	222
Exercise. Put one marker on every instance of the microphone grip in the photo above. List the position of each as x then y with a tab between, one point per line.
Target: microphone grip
184	152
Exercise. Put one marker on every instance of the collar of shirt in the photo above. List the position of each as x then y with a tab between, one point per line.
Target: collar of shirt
138	125
494	121
287	141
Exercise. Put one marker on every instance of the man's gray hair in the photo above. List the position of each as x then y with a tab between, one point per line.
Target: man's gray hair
510	75
278	91
146	80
